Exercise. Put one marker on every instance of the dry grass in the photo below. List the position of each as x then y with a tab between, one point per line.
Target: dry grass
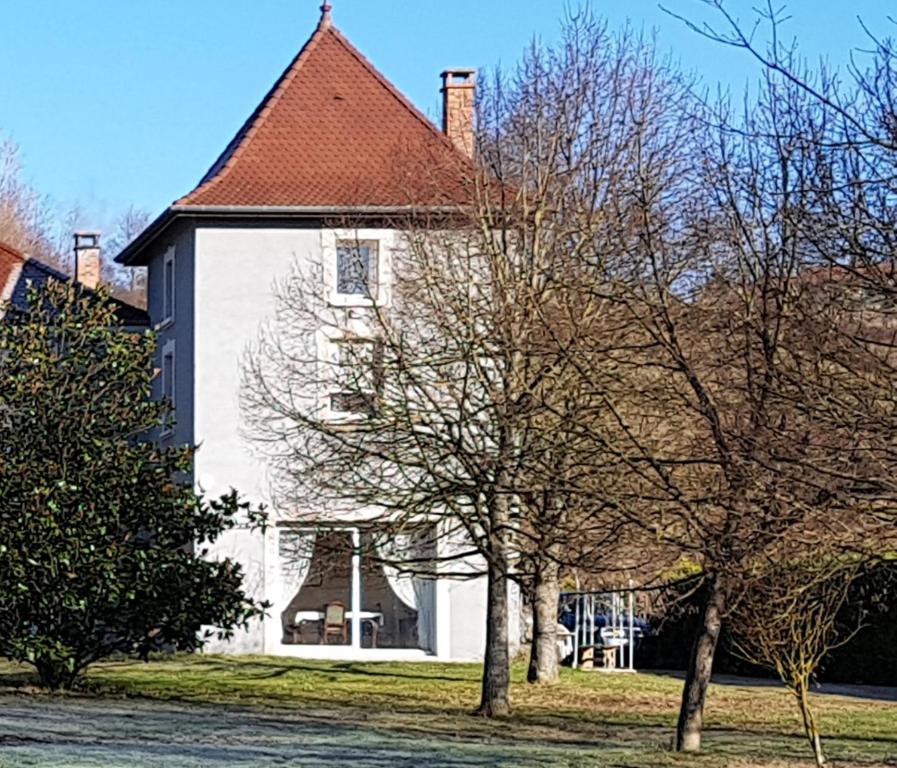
587	719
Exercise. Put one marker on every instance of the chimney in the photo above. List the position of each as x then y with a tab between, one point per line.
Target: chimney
87	259
458	92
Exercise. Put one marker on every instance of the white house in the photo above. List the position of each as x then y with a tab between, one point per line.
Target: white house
333	138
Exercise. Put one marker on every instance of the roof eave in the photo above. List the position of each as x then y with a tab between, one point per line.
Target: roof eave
131	254
308	210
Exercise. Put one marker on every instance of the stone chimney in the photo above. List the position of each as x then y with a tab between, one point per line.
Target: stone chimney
458	96
87	259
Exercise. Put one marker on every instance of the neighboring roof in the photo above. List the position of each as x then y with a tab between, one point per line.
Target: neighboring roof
18	272
865	273
332	136
11	262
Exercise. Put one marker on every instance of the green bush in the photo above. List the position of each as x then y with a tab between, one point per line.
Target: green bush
98	524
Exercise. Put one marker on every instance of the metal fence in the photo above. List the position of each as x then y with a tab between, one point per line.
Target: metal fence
601	622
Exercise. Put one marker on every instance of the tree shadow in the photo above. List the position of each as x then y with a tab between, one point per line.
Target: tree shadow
349	668
92	732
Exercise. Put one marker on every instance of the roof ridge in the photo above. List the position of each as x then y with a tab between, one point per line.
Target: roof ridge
51	271
392	89
12	251
236	146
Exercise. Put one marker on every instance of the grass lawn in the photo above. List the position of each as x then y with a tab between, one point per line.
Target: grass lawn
227	711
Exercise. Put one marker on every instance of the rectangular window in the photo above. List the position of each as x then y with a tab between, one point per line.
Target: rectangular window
358	376
356	268
168	287
344	587
317	574
168	381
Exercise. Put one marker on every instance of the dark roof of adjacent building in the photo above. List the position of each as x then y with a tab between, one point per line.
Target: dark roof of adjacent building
18	272
332	136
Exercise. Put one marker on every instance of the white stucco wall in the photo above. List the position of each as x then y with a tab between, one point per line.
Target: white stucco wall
235	272
225	277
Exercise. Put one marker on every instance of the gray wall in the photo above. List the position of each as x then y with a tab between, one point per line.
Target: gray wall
182	236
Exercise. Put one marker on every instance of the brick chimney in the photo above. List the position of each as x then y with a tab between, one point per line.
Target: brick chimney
458	95
87	259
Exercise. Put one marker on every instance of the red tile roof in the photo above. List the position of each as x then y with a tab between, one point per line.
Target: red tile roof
334	133
11	262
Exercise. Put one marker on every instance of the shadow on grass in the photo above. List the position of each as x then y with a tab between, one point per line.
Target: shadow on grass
91	731
385	712
383	669
23	678
105	716
370	670
223	687
212	734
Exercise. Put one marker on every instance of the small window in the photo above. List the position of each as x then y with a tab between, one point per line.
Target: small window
351	402
356	268
359	365
168	286
168	381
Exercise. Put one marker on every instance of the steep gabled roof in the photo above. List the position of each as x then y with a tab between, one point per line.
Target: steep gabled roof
333	137
333	133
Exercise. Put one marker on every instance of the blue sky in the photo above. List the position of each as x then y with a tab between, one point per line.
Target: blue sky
119	102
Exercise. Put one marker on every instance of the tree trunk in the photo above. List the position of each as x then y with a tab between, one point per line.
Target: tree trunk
543	659
700	666
810	729
55	676
495	700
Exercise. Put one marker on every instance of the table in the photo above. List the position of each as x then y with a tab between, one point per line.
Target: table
366	616
374	618
588	656
319	616
308	616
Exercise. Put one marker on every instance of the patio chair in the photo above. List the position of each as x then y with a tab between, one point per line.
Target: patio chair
335	622
300	629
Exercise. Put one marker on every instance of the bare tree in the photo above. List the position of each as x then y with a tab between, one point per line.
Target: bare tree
751	418
26	216
410	413
850	119
561	134
31	222
472	393
792	617
129	283
788	279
